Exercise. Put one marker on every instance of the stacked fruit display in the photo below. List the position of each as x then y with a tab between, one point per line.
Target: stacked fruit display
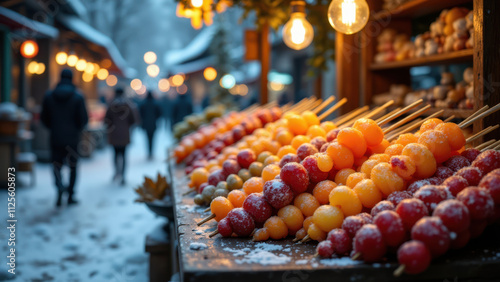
317	180
194	121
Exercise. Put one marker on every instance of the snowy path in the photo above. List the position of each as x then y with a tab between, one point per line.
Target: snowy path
102	238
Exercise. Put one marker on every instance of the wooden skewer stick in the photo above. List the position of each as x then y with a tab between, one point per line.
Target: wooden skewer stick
305	239
188	192
213	233
315	104
481	133
335	120
400	112
207	209
212	216
407	119
296	239
269	105
449	118
333	109
492	146
399	271
286	106
293	107
305	104
356	256
480	116
251	108
402	128
416	125
485	144
323	105
356	113
497	147
387	115
370	114
474	114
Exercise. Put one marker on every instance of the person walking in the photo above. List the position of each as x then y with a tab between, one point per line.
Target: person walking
120	117
150	112
65	115
183	106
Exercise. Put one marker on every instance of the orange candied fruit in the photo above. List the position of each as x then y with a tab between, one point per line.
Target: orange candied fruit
292	216
273	147
297	125
423	159
299	140
276	227
354	140
404	166
322	191
300	234
367	166
307	203
394	149
380	148
263	156
368	193
316	233
261	234
348	201
328	126
307	222
286	150
270	171
237	197
315	131
407	138
311	118
355	178
372	133
199	176
437	143
383	158
342	175
271	160
430	124
386	180
284	137
341	155
253	185
455	136
325	163
220	206
328	217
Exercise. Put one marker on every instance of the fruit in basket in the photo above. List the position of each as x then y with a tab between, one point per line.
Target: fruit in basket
433	233
415	256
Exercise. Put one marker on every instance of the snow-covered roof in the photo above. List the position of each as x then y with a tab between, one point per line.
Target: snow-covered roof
17	21
91	34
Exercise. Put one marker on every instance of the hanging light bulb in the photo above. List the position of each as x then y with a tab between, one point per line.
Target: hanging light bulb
197	3
298	32
348	16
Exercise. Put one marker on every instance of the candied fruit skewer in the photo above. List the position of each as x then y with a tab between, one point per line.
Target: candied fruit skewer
323	105
387	114
298	104
352	114
415	126
220	207
400	112
474	114
269	105
397	132
485	144
332	109
316	104
407	119
480	116
305	104
449	119
371	114
491	146
481	133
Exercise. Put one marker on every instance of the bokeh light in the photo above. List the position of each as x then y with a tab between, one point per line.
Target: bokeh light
61	58
227	81
136	84
33	67
182	89
177	80
141	90
106	63
153	70
87	77
41	68
29	49
89	68
112	80
81	65
102	74
72	59
210	74
150	57
163	85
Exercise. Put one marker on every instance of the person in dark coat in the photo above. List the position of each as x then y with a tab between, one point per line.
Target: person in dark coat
65	115
183	106
120	117
150	112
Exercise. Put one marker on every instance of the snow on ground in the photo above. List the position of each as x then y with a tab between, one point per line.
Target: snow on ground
100	239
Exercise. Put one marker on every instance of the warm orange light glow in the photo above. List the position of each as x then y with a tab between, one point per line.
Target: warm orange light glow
112	80
210	74
163	85
87	77
32	67
72	59
182	89
61	58
81	65
29	49
177	80
153	70
41	68
150	57
102	74
141	90
136	84
106	63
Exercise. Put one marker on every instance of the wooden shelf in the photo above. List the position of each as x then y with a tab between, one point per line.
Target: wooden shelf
438	59
417	8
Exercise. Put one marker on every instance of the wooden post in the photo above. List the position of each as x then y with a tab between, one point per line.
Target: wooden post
265	59
318	87
347	55
5	55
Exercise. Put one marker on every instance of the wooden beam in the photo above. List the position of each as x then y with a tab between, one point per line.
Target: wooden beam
348	72
265	60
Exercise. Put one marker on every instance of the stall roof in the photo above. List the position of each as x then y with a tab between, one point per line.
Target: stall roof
90	34
194	49
18	22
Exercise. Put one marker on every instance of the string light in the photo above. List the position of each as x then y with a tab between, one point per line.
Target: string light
112	80
153	70
163	85
150	57
61	58
81	65
177	80
29	49
182	89
227	81
32	67
102	74
298	33
210	74
141	90
136	84
72	60
348	16
87	77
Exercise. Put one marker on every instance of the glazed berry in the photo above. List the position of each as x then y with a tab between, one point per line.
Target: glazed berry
396	197
261	234
437	142
435	180
324	147
454	214
328	217
289	158
296	176
241	222
307	203
355	178
369	243
382	206
276	227
487	161
300	234
318	142
470	154
245	157
354	140
306	150
253	185
454	134
372	133
347	199
443	172
256	168
410	211
341	155
220	206
237	198
366	217
341	241
224	228
332	134
244	174
277	193
322	191
491	182
263	156
433	233
455	163
424	159
230	167
325	249
415	186
270	172
257	207
455	184
431	195
342	175
386	180
472	174
404	166
325	163
310	163
391	226
368	194
415	256
217	176
352	224
478	201
292	216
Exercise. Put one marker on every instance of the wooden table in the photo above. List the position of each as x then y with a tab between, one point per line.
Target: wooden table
227	259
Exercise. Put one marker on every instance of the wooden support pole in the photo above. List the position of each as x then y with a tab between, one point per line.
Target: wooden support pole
265	60
347	59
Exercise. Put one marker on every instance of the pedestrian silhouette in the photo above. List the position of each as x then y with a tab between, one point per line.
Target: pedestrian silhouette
120	117
65	115
183	106
150	112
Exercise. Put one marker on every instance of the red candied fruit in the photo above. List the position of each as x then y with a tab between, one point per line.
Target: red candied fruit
288	158
431	195
472	174
246	157
296	176
411	211
415	186
435	180
391	226
431	231
324	147
277	193
491	182
455	184
396	197
315	174
470	154
487	161
318	142
382	206
478	201
457	162
454	214
460	240
306	150
332	135
215	177
257	207
224	227
415	256
352	224
366	217
325	249
241	222
230	167
341	241
443	172
369	243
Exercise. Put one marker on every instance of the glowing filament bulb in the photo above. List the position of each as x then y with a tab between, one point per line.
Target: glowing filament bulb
298	31
348	12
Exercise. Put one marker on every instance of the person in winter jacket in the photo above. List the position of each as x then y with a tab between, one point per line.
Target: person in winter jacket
183	106
150	112
65	115
120	117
